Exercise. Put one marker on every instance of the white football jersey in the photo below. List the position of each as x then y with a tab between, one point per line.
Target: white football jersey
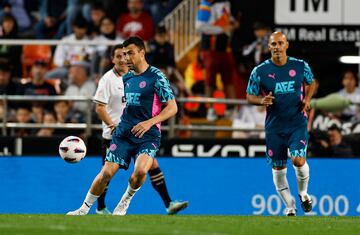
110	92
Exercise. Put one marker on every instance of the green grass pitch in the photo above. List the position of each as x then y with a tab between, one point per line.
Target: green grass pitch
11	224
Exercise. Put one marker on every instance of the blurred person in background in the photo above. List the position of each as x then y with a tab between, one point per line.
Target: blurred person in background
336	145
37	112
51	23
67	54
350	92
97	13
7	85
49	118
38	85
80	85
103	52
160	53
22	116
160	8
258	50
66	114
20	9
10	53
250	117
216	24
137	22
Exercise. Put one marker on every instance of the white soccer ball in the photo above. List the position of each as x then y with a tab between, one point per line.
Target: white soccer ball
72	149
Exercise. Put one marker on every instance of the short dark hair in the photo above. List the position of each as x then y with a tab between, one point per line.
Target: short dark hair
335	127
97	6
348	71
80	22
259	25
115	47
160	30
137	41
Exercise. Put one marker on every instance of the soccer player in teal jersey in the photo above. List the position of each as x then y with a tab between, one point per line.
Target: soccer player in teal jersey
149	101
279	83
147	90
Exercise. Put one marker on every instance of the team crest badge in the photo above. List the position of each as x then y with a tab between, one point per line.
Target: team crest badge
142	84
292	73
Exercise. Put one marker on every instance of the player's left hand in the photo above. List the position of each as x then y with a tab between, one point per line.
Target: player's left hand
306	105
142	127
112	128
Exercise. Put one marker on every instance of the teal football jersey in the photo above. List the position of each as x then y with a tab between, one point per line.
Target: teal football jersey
145	95
287	86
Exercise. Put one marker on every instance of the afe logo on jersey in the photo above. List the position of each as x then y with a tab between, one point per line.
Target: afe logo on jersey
284	87
133	98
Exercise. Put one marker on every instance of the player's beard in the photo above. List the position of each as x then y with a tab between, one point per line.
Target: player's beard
277	56
131	66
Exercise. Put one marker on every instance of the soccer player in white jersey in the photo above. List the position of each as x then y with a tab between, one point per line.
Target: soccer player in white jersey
110	102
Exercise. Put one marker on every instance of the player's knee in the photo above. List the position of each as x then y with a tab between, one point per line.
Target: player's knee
140	172
105	176
299	161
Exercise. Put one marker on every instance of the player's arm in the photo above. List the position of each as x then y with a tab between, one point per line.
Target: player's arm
253	91
260	100
310	87
309	94
104	116
168	111
166	97
101	99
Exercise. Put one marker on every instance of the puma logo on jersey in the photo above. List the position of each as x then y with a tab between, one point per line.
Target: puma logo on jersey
284	87
271	75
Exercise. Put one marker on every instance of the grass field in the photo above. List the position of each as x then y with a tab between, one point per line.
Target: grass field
181	225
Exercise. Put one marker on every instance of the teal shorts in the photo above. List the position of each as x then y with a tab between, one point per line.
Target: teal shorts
280	145
122	150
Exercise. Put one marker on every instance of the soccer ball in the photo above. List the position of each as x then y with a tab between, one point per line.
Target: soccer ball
72	149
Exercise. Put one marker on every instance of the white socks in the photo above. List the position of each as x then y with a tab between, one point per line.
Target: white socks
88	202
129	193
302	176
123	205
282	187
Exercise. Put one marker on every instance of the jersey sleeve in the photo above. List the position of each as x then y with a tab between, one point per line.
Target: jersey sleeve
102	93
308	75
253	87
163	89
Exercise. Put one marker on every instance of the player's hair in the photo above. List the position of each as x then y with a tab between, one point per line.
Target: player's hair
115	47
335	127
137	41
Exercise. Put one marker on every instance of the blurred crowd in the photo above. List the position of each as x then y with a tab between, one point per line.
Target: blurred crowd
219	68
